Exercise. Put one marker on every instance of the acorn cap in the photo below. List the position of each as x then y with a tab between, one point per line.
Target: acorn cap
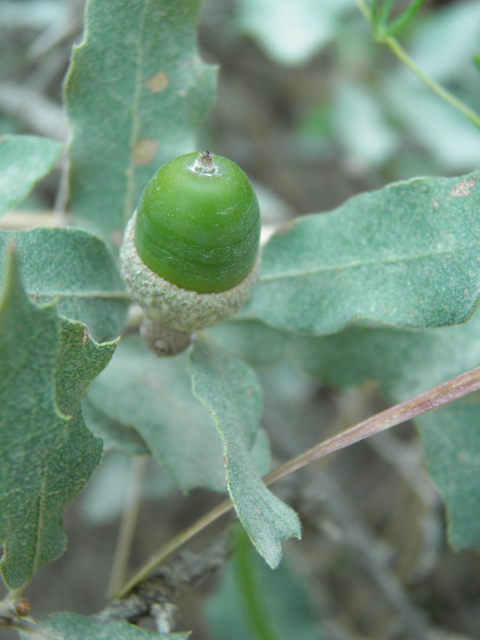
172	306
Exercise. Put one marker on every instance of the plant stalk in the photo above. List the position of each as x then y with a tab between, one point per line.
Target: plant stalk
127	526
403	56
249	590
430	82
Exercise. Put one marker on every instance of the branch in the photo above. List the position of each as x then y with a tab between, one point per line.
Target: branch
158	595
440	395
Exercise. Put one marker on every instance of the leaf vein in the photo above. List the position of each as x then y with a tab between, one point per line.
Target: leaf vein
359	264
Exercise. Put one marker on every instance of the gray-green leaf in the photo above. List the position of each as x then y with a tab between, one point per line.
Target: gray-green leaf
406	362
23	161
40	538
451	440
31	426
114	434
230	391
71	626
154	396
75	269
407	255
135	93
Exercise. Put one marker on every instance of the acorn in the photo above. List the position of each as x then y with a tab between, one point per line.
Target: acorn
190	255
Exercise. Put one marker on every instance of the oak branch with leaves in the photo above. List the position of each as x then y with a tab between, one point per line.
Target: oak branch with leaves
385	288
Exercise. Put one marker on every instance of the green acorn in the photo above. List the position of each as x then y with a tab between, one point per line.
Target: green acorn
190	255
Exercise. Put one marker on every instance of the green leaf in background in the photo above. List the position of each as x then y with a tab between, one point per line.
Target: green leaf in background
230	391
361	125
31	426
71	626
280	594
253	341
291	32
135	93
154	396
452	141
114	434
451	441
75	269
23	161
405	362
105	497
386	27
142	393
406	255
442	43
40	538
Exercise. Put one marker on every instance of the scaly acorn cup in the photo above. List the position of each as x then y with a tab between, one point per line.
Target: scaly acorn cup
190	255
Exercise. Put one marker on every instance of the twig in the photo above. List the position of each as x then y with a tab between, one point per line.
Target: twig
127	526
403	56
430	82
14	612
371	555
158	596
440	395
175	543
23	219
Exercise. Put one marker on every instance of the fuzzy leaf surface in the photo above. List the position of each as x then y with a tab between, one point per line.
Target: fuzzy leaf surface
135	94
40	538
114	434
23	161
230	391
31	425
451	440
406	255
71	626
75	269
405	362
154	396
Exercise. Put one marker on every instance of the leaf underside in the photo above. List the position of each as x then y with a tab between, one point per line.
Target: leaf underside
153	395
23	161
230	391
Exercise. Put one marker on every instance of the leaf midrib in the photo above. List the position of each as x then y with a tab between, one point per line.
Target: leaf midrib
366	263
80	295
130	172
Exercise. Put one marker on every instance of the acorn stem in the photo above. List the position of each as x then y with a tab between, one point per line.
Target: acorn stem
164	341
205	162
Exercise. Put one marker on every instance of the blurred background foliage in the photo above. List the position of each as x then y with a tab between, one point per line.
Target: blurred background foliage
314	111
